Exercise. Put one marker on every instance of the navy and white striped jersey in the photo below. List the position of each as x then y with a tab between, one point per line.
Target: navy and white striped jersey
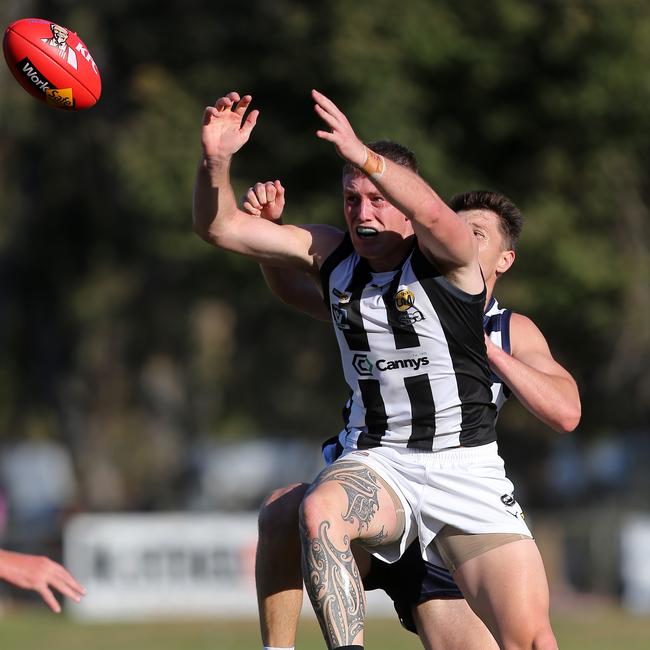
496	323
413	354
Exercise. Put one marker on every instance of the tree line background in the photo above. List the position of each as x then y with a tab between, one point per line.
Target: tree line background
128	339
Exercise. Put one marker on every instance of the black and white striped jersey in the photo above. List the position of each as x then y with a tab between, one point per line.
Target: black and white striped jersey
413	354
496	324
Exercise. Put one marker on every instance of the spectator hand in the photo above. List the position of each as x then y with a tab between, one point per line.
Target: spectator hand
40	574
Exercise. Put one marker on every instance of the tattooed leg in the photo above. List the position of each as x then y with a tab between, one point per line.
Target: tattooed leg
348	502
334	587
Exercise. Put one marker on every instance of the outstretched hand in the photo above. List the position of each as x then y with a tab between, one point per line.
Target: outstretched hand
342	134
225	131
40	574
265	200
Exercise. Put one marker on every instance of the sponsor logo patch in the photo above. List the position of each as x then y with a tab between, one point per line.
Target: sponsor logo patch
59	42
86	55
362	365
33	74
512	507
395	364
59	97
365	367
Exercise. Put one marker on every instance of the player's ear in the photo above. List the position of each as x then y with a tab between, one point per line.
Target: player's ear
505	261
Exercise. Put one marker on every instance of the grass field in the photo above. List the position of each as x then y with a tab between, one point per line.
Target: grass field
594	629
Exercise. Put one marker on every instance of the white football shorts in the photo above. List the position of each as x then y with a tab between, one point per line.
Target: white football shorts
465	487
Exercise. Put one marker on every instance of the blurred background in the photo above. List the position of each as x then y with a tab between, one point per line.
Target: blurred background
142	371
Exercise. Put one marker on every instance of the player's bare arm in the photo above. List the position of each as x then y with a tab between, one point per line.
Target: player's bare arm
294	287
217	219
540	383
442	234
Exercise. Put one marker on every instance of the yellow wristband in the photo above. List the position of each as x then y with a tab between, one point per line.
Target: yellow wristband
374	165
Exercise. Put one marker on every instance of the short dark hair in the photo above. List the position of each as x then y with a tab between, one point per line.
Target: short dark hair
398	153
511	221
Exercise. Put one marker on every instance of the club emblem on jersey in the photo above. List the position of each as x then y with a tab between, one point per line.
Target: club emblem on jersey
362	365
408	313
59	41
404	299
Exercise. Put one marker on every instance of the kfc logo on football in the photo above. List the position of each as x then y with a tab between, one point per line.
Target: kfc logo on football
59	41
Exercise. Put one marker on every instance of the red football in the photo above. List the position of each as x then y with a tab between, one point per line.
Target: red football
52	63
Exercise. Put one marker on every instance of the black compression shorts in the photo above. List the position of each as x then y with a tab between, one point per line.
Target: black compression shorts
409	582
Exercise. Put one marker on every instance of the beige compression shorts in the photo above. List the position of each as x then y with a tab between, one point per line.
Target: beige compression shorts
456	547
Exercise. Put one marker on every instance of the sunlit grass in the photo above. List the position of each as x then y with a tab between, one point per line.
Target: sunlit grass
588	629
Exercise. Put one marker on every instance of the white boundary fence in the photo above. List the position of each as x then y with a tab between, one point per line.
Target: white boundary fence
154	566
635	567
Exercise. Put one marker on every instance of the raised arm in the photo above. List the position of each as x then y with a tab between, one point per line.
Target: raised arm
219	221
442	234
540	383
224	132
295	288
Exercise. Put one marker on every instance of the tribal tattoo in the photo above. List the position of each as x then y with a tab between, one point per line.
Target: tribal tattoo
362	488
334	586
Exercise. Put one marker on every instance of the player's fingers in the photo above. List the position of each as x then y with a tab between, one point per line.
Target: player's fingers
279	194
250	122
71	583
279	191
243	104
331	121
251	193
223	103
326	135
271	192
326	104
230	100
209	113
252	198
248	207
260	192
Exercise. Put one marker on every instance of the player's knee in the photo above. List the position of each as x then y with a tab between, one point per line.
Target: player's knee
311	514
278	516
318	507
